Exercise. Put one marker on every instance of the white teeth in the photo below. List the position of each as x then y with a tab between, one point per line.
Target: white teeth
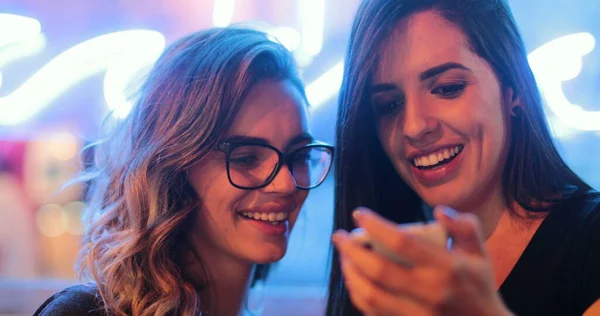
270	217
435	158
425	161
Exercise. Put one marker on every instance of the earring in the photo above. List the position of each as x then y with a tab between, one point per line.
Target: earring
516	111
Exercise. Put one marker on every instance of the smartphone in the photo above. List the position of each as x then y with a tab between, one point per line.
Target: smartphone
432	231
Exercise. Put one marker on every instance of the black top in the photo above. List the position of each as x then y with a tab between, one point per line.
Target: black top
79	300
559	271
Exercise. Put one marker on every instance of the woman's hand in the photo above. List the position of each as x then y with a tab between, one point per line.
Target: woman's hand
454	282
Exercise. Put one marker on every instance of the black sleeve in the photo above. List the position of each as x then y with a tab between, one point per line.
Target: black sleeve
76	300
589	290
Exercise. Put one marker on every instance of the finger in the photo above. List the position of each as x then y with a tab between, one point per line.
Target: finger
422	284
464	228
414	249
387	274
373	300
357	287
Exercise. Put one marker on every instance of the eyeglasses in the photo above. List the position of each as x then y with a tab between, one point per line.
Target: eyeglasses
253	166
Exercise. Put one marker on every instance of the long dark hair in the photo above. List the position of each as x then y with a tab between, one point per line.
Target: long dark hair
534	176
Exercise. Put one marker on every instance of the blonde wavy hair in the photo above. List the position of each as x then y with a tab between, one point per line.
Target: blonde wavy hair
139	201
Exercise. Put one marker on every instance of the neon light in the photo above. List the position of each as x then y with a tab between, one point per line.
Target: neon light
98	54
223	12
558	61
20	28
312	17
326	86
560	130
26	47
287	36
24	39
125	72
127	55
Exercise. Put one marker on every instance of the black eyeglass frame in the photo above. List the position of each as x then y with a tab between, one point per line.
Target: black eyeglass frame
283	159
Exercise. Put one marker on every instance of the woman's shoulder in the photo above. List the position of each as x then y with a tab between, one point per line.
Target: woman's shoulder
581	209
75	300
585	250
587	208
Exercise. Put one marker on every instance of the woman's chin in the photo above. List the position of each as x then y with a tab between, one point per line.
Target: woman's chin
447	195
269	254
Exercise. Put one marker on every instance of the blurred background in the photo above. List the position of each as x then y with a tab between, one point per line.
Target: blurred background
65	64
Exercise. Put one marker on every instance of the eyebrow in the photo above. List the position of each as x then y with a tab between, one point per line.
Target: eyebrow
245	139
431	72
382	87
439	69
300	138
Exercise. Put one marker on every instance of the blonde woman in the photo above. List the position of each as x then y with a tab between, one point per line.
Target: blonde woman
200	183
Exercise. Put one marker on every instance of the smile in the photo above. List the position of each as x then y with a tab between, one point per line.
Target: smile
271	218
437	159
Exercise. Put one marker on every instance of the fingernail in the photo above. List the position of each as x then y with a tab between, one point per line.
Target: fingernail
357	214
335	238
449	213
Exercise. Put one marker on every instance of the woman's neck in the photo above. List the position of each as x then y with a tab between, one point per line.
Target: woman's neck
489	209
229	286
497	217
228	280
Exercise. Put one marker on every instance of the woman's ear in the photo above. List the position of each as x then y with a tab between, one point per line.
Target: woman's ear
513	101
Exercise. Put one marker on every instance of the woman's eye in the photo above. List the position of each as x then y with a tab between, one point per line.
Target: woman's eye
244	161
449	90
303	157
383	108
